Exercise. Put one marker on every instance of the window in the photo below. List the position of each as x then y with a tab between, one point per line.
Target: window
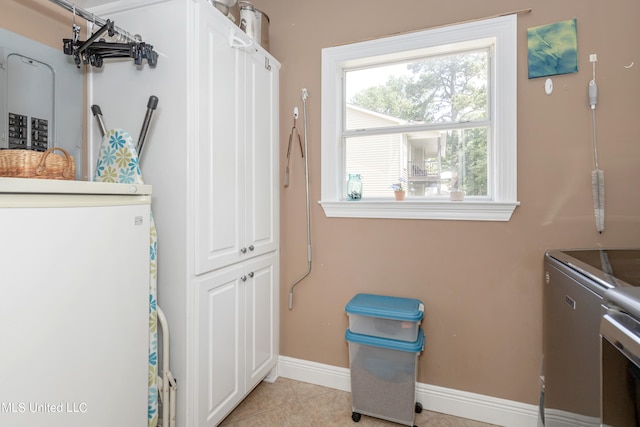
435	109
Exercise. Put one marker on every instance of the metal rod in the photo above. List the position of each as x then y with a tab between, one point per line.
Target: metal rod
97	113
90	17
305	95
151	106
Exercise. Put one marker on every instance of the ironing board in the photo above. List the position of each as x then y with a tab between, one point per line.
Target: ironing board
118	162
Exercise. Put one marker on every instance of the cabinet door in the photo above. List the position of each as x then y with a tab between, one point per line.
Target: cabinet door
262	178
220	345
262	308
220	175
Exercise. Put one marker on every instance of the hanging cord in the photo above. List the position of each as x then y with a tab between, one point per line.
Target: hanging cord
597	175
595	143
593	100
305	95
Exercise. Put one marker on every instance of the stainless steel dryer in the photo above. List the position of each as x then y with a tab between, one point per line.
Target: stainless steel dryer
575	284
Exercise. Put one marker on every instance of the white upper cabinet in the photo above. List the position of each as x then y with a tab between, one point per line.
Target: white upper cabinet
237	177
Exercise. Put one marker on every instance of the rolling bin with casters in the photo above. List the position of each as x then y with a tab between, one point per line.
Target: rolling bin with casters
385	340
383	377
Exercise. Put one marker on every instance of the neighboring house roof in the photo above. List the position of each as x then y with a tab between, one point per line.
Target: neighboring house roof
372	118
362	118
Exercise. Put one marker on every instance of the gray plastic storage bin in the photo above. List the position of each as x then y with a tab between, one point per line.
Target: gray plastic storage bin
383	377
384	316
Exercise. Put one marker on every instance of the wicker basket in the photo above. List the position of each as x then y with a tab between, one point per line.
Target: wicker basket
35	164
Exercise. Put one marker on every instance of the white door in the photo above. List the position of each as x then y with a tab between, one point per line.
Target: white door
220	344
262	318
262	188
220	176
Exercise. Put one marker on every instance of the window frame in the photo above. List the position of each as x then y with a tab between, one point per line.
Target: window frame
503	111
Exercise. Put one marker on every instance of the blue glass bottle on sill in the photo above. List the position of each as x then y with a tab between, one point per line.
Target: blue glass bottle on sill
354	187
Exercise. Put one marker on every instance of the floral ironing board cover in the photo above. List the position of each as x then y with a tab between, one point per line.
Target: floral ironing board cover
118	162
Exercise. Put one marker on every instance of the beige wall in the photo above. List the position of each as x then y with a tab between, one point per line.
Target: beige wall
481	282
39	20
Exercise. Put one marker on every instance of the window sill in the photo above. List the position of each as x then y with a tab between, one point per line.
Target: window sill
467	210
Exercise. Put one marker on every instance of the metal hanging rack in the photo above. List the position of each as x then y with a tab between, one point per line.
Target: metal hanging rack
94	50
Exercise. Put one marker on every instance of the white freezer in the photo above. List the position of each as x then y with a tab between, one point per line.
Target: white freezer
74	303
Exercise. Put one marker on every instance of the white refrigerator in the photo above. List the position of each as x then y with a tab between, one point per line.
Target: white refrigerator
74	303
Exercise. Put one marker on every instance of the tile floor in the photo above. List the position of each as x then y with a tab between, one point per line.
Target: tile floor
289	403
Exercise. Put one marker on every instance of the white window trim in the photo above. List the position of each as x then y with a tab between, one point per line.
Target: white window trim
504	200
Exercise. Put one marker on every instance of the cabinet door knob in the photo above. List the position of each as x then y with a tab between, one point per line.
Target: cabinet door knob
243	250
251	247
251	274
243	278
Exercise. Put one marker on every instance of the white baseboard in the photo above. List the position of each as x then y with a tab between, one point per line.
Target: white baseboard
556	417
458	403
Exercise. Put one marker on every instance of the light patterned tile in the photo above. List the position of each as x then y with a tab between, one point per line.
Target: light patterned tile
265	397
367	421
289	403
304	391
329	409
287	415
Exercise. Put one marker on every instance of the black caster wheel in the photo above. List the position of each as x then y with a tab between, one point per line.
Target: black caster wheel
355	417
418	407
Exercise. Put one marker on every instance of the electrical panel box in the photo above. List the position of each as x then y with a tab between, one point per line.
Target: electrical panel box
41	98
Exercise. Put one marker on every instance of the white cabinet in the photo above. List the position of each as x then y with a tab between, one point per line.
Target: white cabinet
236	227
237	188
212	158
237	334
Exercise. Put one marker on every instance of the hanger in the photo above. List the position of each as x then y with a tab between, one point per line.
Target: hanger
94	50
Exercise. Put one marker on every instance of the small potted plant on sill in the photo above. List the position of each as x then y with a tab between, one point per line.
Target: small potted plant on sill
399	188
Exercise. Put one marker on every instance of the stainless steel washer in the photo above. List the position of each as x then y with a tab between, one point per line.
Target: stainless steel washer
620	368
573	305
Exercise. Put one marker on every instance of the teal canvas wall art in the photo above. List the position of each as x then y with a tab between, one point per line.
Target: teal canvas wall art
553	49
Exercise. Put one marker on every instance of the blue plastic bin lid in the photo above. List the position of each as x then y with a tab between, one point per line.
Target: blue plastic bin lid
386	307
410	347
